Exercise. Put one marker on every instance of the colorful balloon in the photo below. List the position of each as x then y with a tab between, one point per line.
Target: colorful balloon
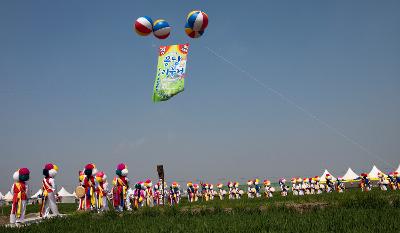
144	26
161	29
197	20
191	33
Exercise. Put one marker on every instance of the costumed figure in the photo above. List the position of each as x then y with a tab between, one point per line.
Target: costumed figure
307	188
196	192
90	185
251	191
149	193
156	194
81	205
383	182
330	186
212	192
139	195
19	191
365	183
340	187
284	188
257	186
232	190
392	181
102	191
174	194
120	188
312	185
294	186
190	192
205	191
238	192
221	191
397	176
49	191
268	189
318	186
300	186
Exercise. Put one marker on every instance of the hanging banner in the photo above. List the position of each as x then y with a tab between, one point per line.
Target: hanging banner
171	71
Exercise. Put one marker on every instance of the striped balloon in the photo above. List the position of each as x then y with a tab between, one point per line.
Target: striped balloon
161	29
191	33
197	20
144	26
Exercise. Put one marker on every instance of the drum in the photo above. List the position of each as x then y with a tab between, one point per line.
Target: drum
80	192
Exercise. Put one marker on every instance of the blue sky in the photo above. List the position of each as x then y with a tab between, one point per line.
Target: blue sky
76	85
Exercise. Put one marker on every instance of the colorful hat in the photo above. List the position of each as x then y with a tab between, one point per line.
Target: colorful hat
90	169
21	174
122	169
148	183
299	180
50	170
81	176
101	177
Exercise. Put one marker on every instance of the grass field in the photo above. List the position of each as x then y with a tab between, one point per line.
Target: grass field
353	211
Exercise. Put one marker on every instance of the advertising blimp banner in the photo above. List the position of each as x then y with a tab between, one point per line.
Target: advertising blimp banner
171	71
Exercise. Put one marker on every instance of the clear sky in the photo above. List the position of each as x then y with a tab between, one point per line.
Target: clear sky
76	85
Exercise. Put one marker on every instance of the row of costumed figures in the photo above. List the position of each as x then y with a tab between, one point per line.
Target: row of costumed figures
94	192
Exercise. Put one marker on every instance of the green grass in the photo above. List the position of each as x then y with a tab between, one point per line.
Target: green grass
63	208
349	212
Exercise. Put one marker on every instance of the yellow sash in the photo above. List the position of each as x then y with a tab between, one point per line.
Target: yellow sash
100	201
124	187
19	197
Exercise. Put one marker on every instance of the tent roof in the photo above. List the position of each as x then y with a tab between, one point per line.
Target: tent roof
1	196
373	174
8	196
350	175
398	169
64	193
322	179
36	195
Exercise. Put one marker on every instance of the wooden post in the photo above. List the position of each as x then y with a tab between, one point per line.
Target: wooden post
160	171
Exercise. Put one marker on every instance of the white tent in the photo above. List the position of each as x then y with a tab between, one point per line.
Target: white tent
350	175
74	194
373	174
8	196
65	196
398	169
36	195
64	193
323	179
1	196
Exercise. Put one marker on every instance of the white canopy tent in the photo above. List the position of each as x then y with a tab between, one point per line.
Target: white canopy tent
373	174
36	195
398	169
350	175
65	196
8	196
64	193
1	196
323	176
